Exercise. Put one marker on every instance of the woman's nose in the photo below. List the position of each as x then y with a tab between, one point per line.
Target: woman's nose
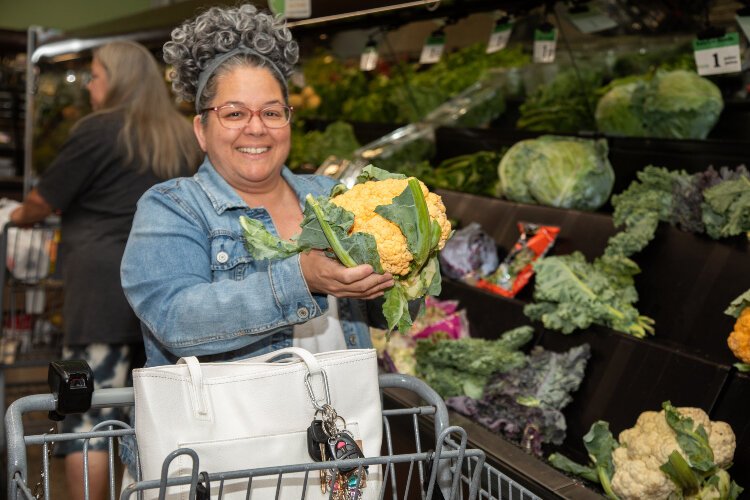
255	125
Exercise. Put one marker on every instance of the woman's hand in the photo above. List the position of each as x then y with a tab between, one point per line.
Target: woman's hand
325	275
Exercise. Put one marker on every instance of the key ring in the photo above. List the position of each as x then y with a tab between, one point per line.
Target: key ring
311	393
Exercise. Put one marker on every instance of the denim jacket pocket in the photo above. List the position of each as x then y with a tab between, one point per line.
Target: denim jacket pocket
229	258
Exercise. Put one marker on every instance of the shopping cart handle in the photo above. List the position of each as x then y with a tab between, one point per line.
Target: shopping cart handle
72	383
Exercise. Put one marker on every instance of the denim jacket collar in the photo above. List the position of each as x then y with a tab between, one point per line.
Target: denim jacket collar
223	196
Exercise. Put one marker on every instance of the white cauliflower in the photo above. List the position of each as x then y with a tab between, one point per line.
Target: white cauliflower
647	446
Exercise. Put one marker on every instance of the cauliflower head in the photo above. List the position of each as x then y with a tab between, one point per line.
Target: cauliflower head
362	199
647	445
739	339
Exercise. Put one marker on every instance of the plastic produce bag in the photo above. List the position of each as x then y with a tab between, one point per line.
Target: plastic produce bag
28	249
516	269
471	252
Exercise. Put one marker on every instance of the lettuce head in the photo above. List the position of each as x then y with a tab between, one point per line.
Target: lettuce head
566	172
676	104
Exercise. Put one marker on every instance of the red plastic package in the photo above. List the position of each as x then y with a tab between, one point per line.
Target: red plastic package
516	269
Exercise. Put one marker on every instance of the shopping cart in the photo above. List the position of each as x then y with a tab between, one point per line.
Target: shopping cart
450	471
31	308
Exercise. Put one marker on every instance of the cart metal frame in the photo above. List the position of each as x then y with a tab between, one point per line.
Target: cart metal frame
451	470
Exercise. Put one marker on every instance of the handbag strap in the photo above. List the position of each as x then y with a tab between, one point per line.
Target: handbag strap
196	385
314	371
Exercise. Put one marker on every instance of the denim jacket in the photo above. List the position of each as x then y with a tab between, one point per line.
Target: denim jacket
198	292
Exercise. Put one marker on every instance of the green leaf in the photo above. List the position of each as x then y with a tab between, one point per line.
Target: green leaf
693	440
743	367
679	471
737	305
560	461
263	245
373	173
409	212
600	444
396	309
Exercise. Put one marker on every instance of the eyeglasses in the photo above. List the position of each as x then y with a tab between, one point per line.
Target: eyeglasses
236	116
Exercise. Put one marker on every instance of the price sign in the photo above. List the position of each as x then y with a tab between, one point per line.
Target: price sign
716	56
499	37
294	9
432	50
369	59
545	44
591	20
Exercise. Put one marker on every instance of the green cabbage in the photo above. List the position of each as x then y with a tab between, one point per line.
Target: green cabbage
566	172
672	104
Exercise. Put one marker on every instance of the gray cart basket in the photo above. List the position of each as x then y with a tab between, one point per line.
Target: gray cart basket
451	470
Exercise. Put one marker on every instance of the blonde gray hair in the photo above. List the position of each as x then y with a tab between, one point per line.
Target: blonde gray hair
154	131
253	37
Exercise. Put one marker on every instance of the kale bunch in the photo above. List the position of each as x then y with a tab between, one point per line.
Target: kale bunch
525	404
463	366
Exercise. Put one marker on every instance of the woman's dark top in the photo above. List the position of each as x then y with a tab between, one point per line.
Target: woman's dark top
96	190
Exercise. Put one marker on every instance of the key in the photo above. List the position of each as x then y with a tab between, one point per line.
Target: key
343	447
316	437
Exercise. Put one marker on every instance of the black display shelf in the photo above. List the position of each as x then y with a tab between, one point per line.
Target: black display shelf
686	283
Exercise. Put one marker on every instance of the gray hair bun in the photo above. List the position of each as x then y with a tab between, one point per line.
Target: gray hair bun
221	29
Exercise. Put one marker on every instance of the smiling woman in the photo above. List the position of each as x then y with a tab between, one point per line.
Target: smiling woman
186	271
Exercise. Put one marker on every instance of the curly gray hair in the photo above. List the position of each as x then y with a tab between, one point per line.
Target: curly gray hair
222	35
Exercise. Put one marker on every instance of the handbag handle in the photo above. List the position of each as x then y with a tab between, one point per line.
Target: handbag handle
198	388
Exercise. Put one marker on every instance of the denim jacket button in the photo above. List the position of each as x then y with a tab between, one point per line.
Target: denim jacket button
222	257
302	313
352	339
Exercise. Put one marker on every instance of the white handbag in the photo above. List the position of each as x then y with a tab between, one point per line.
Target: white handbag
255	413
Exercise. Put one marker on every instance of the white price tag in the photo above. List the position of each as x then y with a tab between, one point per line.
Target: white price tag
715	56
432	50
591	20
499	38
293	9
545	44
744	22
369	59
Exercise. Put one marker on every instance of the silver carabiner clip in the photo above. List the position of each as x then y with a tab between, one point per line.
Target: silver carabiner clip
318	406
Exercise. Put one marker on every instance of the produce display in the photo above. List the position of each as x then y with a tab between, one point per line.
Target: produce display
716	202
310	149
566	172
673	453
386	220
676	104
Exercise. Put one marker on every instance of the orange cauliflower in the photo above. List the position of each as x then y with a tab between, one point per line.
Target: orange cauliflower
739	339
362	199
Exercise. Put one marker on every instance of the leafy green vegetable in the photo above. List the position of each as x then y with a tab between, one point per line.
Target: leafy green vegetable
600	444
472	173
676	104
314	147
566	172
560	461
564	105
463	366
571	293
524	403
715	201
726	211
